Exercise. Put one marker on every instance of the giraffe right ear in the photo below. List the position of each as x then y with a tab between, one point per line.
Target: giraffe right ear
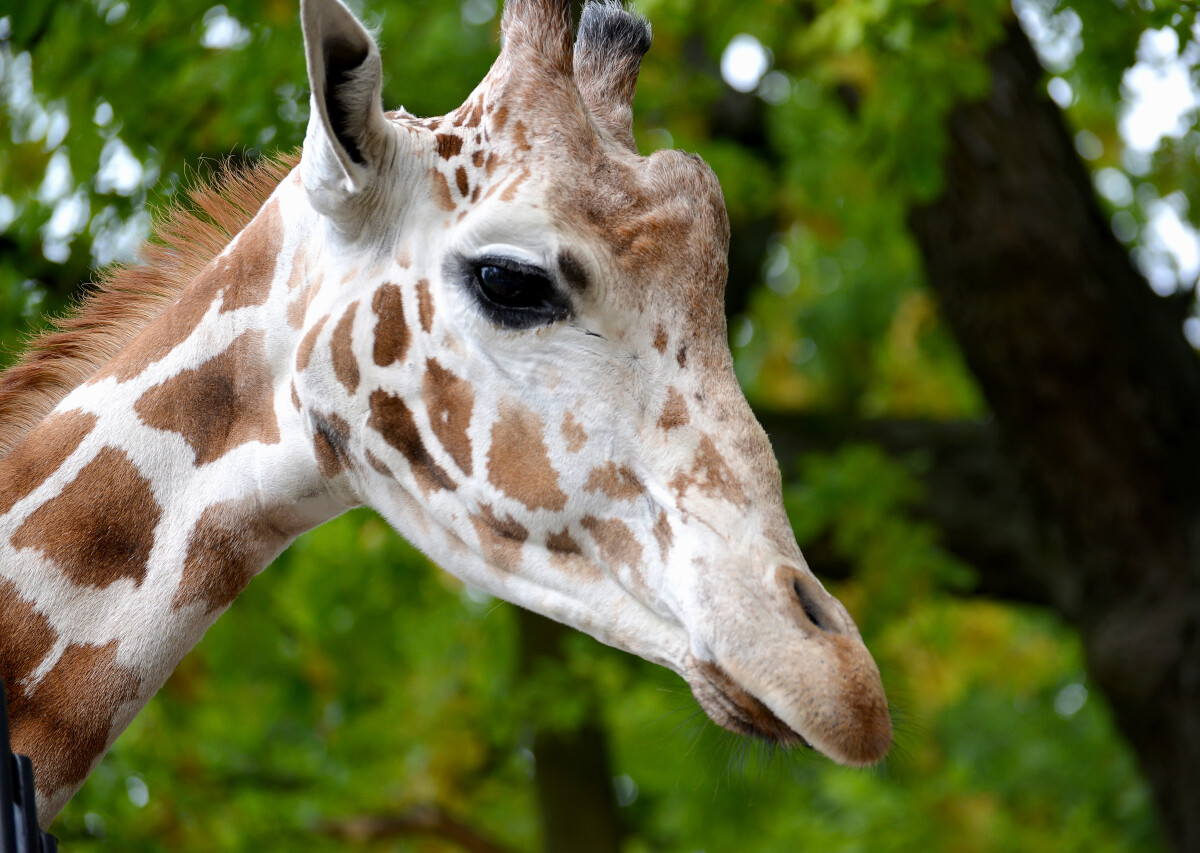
347	134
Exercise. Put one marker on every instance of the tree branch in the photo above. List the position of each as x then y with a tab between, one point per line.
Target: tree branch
421	820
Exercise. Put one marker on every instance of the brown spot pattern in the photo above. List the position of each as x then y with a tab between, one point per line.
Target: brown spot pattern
448	145
660	339
663	534
675	412
563	543
378	464
391	418
100	527
330	436
449	402
425	305
514	184
574	433
681	356
249	268
616	481
567	555
500	537
711	474
229	545
460	179
518	462
64	721
341	345
298	307
391	330
308	343
441	190
224	403
241	278
167	331
27	635
616	542
42	452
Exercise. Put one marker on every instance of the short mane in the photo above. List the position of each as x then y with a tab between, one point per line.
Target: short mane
126	297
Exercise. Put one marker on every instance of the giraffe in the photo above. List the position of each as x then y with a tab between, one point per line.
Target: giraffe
501	328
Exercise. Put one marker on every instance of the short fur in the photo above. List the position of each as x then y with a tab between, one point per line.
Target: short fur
127	297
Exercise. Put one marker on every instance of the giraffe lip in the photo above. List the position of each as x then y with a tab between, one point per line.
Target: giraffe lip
732	707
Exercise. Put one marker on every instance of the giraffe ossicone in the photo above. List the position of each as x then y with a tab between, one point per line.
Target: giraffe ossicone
502	329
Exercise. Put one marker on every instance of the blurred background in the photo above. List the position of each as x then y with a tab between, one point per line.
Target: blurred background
961	299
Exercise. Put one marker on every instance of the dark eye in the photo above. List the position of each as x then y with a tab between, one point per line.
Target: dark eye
516	295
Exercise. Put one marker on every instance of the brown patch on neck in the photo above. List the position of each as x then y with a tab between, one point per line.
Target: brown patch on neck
100	527
299	273
615	541
563	543
391	418
449	401
308	343
518	462
618	482
345	365
711	474
574	433
425	305
230	544
249	269
675	412
331	435
448	145
460	180
238	279
663	534
127	300
25	637
64	721
224	403
391	330
379	465
501	538
297	309
44	450
566	555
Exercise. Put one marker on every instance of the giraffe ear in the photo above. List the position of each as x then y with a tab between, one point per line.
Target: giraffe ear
347	135
608	55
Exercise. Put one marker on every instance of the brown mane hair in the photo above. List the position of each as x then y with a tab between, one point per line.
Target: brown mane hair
126	297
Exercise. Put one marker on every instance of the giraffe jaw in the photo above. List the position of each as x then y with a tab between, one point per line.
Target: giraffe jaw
734	708
817	715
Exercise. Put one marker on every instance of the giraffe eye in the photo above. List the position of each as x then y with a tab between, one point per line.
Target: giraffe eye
516	295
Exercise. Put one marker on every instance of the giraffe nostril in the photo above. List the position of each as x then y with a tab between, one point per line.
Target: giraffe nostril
813	610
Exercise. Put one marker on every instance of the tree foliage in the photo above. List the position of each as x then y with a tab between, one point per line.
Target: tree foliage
353	678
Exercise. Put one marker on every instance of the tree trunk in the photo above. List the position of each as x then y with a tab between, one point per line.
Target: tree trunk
1096	394
571	769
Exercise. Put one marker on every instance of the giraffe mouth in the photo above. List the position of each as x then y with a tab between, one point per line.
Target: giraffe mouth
732	707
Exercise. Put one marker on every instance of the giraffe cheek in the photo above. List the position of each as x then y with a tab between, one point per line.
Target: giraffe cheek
449	402
519	462
393	420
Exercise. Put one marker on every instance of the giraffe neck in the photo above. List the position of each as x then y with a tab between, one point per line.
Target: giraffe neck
144	503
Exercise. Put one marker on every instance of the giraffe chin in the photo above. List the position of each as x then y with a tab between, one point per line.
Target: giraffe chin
859	743
731	707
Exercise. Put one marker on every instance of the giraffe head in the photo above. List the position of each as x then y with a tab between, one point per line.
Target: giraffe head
515	349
